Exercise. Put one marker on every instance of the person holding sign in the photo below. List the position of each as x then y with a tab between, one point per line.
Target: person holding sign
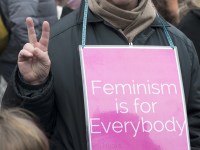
48	78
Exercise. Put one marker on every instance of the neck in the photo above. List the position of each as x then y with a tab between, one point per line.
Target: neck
125	4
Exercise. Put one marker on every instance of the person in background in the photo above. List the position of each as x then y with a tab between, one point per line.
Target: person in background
48	78
18	131
184	7
14	13
168	9
190	24
68	6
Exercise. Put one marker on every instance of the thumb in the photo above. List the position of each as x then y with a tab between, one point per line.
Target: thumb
42	56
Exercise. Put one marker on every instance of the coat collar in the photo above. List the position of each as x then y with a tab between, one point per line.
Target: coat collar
196	12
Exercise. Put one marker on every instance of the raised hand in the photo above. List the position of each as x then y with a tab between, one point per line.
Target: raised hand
33	60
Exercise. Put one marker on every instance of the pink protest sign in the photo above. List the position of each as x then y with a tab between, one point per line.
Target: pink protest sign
134	98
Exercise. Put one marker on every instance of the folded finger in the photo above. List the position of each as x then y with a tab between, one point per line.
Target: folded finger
29	47
24	54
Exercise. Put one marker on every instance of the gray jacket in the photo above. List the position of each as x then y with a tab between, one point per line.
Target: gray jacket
15	12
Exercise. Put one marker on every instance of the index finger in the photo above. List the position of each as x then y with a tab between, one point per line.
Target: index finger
31	31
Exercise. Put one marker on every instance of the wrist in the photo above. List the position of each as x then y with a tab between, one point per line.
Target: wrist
38	82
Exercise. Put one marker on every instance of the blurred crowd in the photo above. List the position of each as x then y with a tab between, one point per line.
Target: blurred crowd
184	14
176	12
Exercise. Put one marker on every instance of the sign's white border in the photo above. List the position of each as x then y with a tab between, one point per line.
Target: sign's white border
128	47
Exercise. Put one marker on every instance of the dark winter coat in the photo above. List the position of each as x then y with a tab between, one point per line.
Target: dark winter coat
190	25
66	10
59	102
15	12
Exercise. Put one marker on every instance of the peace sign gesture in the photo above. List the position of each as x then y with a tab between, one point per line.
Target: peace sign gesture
33	60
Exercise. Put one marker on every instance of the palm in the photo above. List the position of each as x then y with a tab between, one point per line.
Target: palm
33	60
